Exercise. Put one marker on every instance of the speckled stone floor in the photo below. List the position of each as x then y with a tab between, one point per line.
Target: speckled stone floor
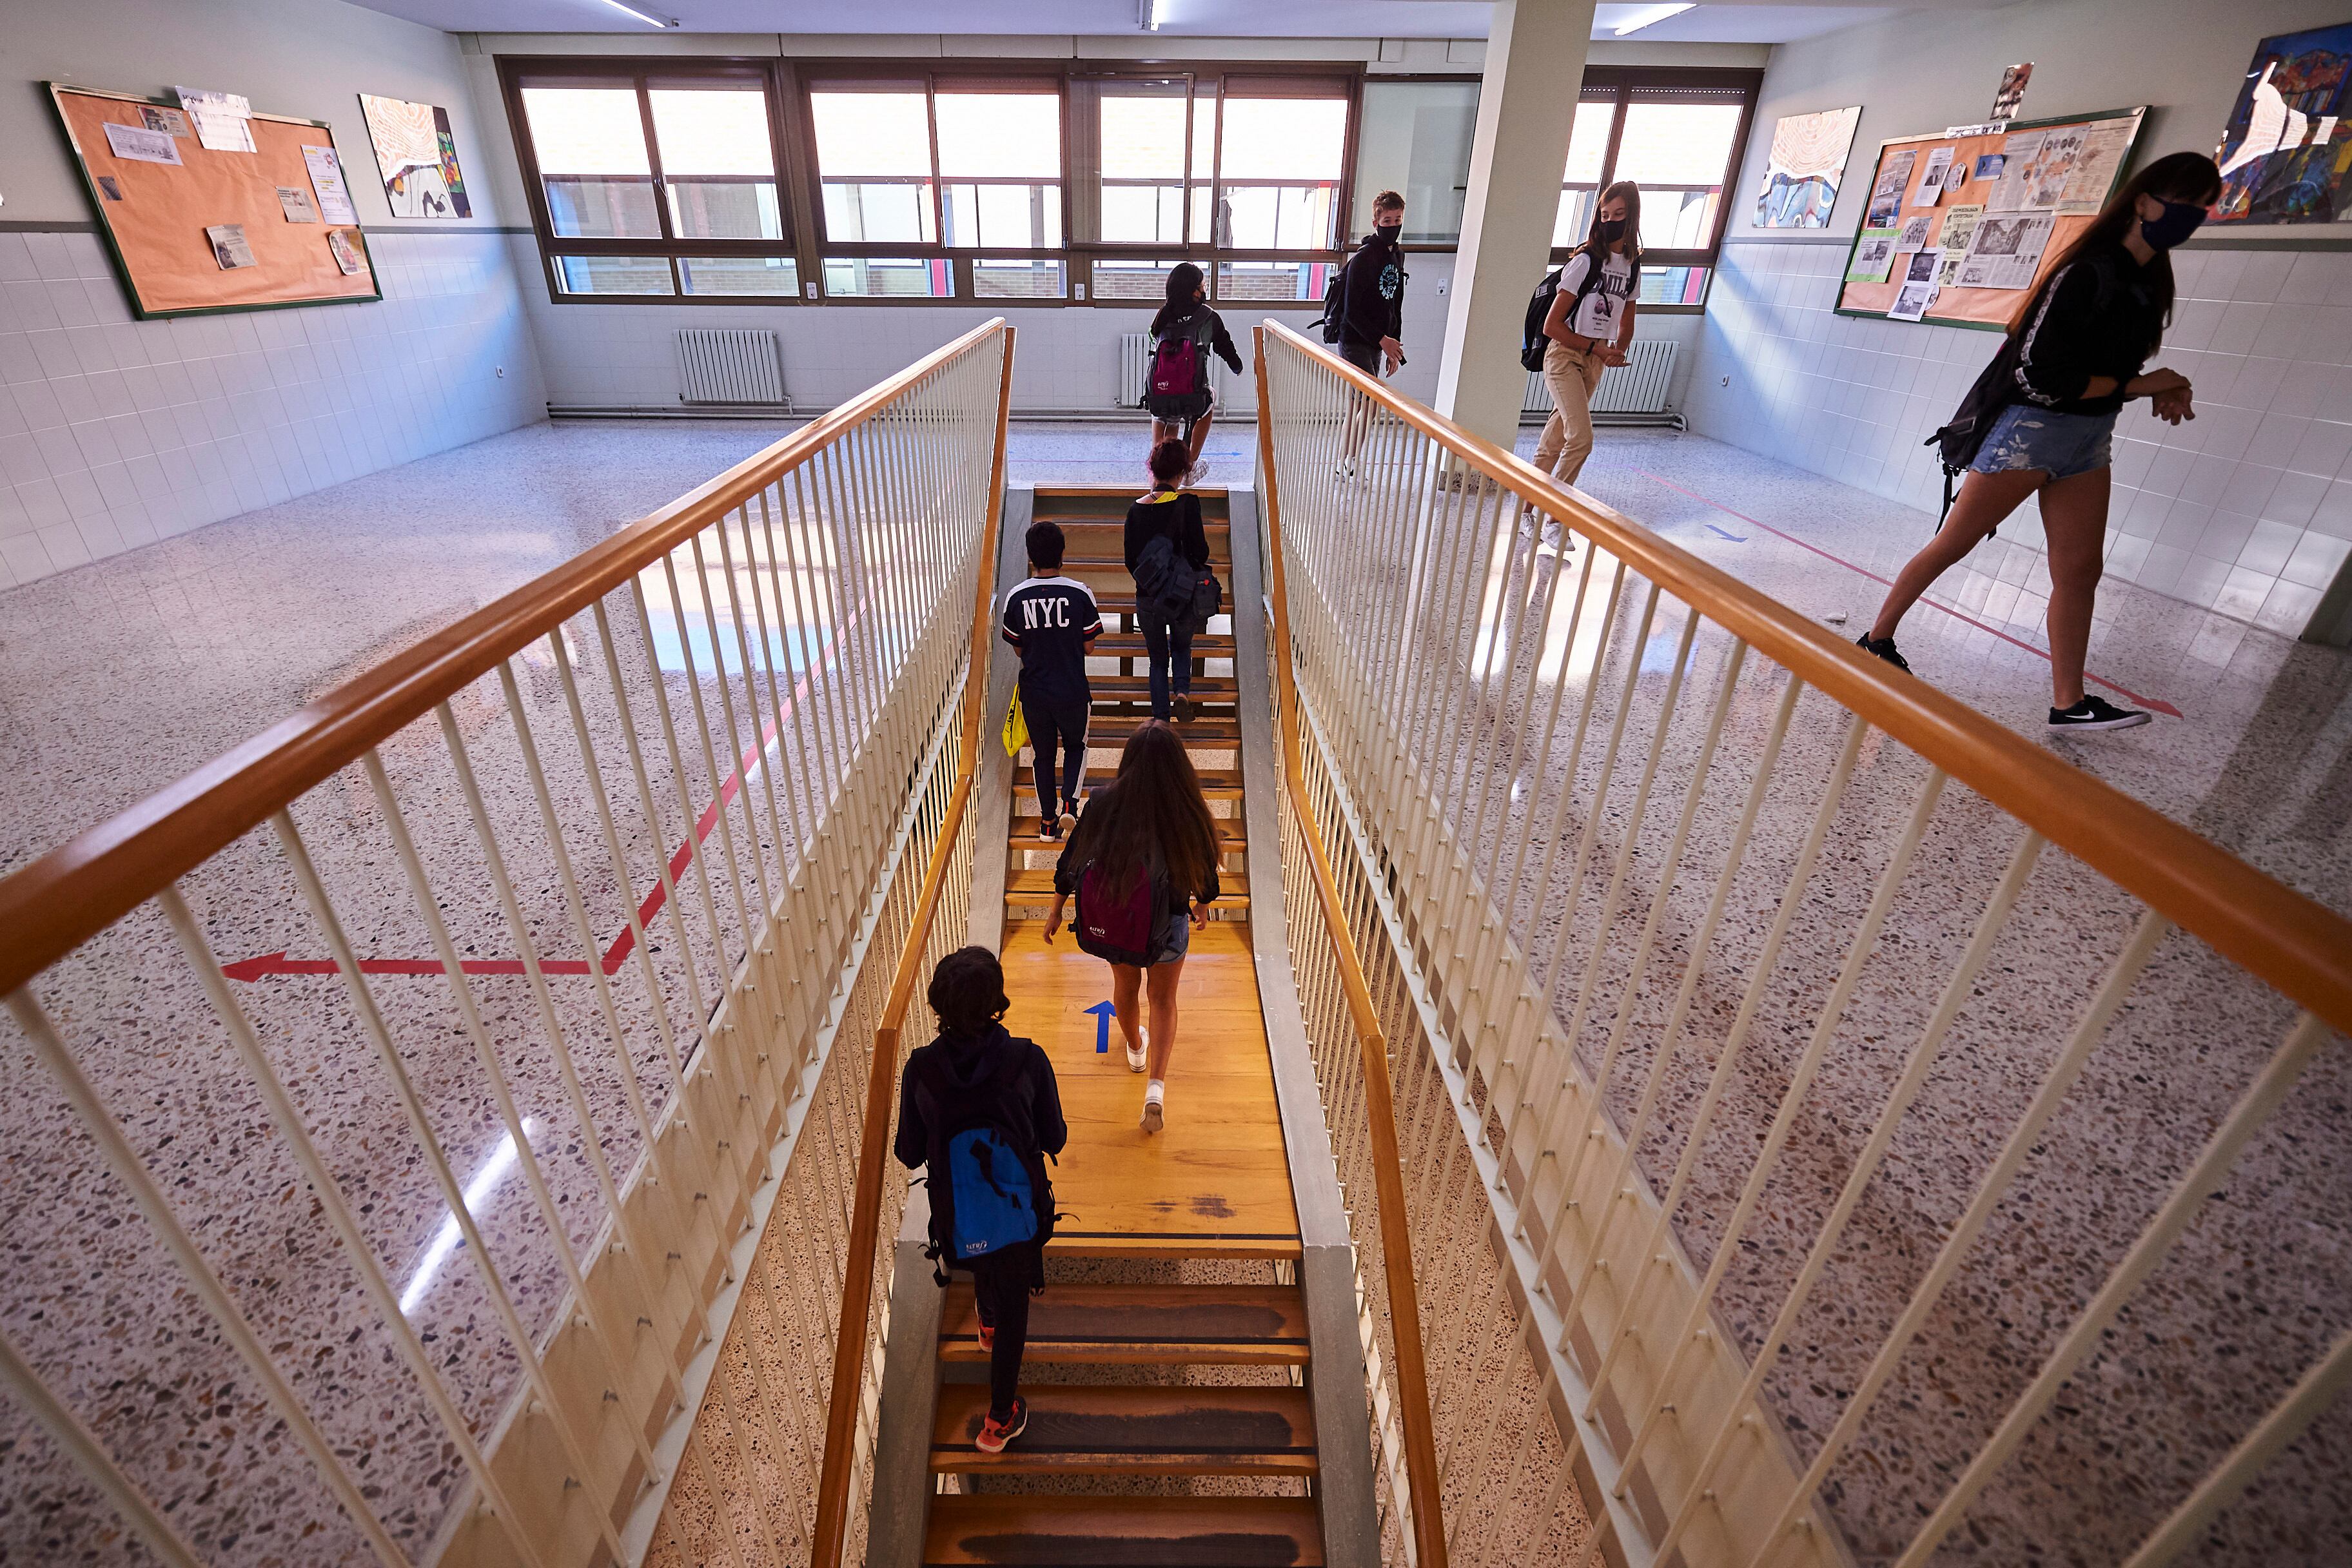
118	677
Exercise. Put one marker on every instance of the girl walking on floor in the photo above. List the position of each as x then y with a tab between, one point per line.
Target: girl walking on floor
1589	325
1143	864
2045	407
1183	335
1165	578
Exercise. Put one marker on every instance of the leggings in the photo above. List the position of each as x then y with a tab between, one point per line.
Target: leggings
1000	1283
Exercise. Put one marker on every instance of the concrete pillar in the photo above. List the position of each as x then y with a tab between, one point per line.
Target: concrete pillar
1535	69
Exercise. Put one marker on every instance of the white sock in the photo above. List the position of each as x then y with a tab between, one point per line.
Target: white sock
1155	1092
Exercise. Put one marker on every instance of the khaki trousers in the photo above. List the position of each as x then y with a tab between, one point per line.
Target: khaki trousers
1569	374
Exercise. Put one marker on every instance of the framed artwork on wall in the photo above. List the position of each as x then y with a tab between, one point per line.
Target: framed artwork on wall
417	156
2286	146
1806	164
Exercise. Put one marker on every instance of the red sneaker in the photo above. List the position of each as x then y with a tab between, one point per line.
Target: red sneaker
987	1337
995	1433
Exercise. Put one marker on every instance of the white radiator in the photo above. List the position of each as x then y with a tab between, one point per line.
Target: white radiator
1637	386
729	365
1135	371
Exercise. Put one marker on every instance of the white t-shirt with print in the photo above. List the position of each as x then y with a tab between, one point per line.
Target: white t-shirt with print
1598	316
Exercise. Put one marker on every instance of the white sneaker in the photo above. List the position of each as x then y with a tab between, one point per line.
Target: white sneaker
1155	1094
1138	1056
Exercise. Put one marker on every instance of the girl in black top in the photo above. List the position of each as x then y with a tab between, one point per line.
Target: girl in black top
1150	821
2072	360
1176	515
1187	315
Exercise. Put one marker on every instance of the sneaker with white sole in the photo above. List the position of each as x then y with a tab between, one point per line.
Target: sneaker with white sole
1138	1056
995	1433
2095	713
1155	1110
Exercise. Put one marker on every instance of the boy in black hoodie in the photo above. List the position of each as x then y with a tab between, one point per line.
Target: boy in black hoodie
976	1080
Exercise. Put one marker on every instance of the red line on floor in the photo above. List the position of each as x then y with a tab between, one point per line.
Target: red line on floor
621	945
2153	704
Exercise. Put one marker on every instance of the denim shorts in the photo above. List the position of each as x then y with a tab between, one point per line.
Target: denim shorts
2061	445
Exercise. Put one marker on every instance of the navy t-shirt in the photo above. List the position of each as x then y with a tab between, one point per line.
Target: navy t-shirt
1050	620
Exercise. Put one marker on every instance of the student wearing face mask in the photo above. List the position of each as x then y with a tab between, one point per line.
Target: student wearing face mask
1588	326
1365	317
2039	417
1184	334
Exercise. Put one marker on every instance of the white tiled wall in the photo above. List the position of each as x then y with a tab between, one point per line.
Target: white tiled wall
2247	510
115	432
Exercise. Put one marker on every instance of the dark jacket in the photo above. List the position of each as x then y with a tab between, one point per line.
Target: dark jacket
2096	317
1029	1107
1371	294
1205	327
1147	520
1080	850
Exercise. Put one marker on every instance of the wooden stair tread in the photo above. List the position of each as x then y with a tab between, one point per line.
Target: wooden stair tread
1219	688
1104	729
1034	884
1129	645
1213	780
1161	1430
1229	830
1006	1528
1233	1325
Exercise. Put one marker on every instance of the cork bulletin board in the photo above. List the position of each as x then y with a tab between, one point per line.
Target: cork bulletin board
2025	192
162	220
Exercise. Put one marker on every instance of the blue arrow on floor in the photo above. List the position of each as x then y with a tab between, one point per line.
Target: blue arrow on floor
1103	1012
1735	538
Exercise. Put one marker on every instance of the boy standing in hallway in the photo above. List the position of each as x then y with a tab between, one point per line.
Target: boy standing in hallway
1052	621
1370	310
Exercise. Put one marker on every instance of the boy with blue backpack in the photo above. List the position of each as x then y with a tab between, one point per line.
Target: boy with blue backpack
980	1108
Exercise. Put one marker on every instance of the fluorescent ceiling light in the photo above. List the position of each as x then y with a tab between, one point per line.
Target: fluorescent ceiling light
1640	19
640	16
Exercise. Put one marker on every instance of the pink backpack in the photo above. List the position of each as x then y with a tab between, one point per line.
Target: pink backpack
1175	367
1118	929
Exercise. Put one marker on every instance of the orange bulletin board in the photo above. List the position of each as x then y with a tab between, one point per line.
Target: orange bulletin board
2069	167
155	229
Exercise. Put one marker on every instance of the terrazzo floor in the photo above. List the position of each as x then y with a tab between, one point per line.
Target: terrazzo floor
118	677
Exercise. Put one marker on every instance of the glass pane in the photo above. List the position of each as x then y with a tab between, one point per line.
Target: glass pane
1203	212
1003	217
1142	138
1276	217
1283	139
1415	139
873	275
1017	279
1001	135
1575	217
741	274
1138	280
590	145
1588	148
1672	285
1148	214
718	161
1273	279
613	275
1677	152
871	133
883	210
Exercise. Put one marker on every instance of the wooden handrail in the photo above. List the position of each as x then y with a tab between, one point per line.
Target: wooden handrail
882	1070
1372	1046
2291	942
78	889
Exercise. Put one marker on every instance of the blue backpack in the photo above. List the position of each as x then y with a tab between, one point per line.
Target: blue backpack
986	1197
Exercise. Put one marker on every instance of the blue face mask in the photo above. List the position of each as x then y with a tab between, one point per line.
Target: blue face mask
2180	221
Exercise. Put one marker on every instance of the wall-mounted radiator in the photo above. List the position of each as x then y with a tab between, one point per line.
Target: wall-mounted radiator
1638	386
1135	370
730	365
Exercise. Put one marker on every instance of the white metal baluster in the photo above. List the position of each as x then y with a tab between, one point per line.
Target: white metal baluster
2118	983
801	825
1956	992
2265	1094
718	781
774	878
108	1134
80	1444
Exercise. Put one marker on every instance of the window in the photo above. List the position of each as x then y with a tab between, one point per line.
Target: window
1415	139
771	179
1675	133
654	183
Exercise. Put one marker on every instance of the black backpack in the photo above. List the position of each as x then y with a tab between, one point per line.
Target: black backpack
1532	342
1335	299
1164	580
1957	443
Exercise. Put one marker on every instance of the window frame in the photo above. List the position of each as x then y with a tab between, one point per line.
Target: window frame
636	71
1623	83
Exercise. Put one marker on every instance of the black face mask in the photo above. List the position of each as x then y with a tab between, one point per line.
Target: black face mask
1388	232
1610	230
2180	221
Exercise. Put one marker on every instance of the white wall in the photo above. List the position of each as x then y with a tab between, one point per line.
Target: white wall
114	432
2246	510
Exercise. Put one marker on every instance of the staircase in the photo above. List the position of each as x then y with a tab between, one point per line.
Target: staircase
1169	1416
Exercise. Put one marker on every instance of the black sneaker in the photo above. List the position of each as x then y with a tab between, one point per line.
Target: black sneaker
1184	710
1069	820
1049	827
1885	649
2095	713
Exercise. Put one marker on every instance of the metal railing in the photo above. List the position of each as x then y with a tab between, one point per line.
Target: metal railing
462	1106
1843	1077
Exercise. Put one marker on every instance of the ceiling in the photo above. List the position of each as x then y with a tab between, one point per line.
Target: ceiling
1713	21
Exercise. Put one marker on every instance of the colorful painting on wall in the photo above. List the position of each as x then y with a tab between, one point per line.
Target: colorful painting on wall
2286	147
1807	161
418	157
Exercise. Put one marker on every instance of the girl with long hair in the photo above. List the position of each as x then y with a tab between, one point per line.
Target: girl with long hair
2071	361
1152	822
1187	318
1590	323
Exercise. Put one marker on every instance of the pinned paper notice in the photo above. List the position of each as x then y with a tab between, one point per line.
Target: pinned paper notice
1915	233
229	247
170	121
327	179
222	119
1911	303
347	255
295	203
1874	256
140	145
1931	183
